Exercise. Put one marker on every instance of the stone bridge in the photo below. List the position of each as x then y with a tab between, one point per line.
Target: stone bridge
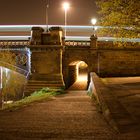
54	61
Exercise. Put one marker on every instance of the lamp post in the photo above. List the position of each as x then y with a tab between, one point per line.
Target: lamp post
93	22
47	15
66	6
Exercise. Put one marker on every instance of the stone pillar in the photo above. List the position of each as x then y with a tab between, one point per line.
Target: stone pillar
63	41
56	35
93	41
36	36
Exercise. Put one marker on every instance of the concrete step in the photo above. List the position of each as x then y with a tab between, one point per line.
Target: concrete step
34	85
44	82
44	77
40	81
50	85
29	91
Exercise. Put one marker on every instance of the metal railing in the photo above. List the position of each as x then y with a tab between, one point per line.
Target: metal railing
15	68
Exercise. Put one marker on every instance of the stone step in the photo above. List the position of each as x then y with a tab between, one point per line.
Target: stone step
44	77
41	86
37	85
29	91
40	81
43	82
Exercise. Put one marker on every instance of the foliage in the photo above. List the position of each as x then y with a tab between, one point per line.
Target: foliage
122	15
40	95
7	56
12	82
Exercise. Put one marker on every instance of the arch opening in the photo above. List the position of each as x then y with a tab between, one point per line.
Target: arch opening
82	71
78	75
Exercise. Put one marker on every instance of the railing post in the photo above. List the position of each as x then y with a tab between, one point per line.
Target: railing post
63	41
93	41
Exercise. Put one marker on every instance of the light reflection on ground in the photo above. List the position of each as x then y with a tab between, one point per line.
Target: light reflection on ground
82	77
81	83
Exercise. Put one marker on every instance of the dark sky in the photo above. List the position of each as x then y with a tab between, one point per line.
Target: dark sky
25	12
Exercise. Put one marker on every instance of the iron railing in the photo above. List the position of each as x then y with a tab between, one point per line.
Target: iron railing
15	68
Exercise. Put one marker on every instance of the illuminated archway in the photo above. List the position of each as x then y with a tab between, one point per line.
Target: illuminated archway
82	71
78	73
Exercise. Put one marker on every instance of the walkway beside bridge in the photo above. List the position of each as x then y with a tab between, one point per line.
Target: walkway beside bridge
71	116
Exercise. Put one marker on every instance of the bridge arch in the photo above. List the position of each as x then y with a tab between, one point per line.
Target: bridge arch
76	70
77	54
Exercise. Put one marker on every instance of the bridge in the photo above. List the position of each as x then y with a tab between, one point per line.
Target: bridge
47	59
54	61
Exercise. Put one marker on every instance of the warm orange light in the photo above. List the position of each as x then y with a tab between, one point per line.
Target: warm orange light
93	21
66	6
82	77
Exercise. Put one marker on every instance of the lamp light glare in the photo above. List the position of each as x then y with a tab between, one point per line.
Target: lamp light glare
93	21
66	5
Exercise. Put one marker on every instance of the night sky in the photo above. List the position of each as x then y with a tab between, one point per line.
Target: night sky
28	12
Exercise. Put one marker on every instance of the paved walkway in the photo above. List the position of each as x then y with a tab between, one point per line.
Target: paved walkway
70	116
127	91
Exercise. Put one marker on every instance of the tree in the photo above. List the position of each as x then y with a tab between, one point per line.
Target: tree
121	17
12	81
5	56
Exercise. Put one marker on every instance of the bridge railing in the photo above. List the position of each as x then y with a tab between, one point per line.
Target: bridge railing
77	43
14	42
15	68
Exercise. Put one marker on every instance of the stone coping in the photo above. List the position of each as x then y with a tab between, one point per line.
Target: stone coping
46	46
114	112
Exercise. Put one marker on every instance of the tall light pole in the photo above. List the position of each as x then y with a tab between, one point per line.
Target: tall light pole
66	6
47	15
93	22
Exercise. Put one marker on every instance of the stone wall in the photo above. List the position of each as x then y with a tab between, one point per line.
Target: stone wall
72	77
118	61
46	60
106	59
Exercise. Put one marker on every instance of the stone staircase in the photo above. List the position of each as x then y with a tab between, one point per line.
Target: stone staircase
53	81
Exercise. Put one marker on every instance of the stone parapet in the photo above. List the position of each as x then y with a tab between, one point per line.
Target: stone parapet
113	111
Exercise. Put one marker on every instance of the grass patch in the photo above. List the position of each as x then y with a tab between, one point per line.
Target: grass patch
43	94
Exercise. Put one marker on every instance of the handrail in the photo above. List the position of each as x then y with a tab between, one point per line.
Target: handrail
20	70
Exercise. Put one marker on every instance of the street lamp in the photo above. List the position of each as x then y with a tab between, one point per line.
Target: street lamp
47	15
66	6
93	22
